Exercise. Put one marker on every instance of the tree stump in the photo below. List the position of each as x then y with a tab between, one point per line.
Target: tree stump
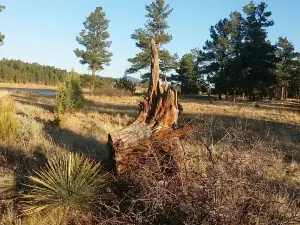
158	114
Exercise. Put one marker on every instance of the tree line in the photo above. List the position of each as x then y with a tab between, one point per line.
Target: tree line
17	71
237	59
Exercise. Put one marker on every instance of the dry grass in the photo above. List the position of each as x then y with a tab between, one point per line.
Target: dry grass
265	112
242	163
29	86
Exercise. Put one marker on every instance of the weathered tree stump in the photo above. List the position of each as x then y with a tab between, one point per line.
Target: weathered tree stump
158	114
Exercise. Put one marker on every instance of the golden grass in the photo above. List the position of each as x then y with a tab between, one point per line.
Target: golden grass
29	86
247	111
34	86
4	94
86	132
278	112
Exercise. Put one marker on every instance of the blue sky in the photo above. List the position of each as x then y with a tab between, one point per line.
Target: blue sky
45	31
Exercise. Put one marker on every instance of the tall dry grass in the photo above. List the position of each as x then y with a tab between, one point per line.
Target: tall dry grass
241	166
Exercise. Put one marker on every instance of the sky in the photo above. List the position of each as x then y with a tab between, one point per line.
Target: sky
45	31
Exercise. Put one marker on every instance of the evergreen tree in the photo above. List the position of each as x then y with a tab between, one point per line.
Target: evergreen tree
94	38
294	87
187	75
258	53
157	13
201	61
218	54
236	37
2	7
287	64
69	96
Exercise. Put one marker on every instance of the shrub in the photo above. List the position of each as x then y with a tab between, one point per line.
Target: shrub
68	185
99	82
69	96
29	129
126	85
110	91
8	122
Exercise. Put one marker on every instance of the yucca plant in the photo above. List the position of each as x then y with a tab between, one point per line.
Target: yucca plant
68	184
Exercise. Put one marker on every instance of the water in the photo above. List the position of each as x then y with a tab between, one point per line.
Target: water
46	92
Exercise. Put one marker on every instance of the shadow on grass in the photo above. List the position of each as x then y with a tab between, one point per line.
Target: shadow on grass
22	165
111	108
91	106
32	100
291	106
74	142
285	136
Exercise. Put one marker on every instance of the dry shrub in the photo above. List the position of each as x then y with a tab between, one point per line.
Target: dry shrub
8	216
7	178
227	176
30	130
8	122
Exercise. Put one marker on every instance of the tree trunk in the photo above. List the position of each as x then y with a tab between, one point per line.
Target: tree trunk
158	113
220	96
209	92
93	81
234	95
282	93
251	95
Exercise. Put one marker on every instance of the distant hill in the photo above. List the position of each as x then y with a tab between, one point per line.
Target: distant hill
133	79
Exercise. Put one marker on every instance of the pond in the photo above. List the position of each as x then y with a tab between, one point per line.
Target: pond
47	92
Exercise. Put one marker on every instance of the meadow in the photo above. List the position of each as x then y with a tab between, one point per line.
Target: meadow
242	161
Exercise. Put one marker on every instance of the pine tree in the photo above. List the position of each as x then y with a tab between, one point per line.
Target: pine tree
187	75
294	87
157	13
94	38
2	7
236	26
258	53
201	60
217	50
287	64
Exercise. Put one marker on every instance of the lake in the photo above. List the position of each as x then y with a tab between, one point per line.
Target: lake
47	92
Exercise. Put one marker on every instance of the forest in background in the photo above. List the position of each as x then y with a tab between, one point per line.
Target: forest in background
17	71
238	59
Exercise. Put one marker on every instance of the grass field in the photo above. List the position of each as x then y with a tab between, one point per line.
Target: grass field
256	151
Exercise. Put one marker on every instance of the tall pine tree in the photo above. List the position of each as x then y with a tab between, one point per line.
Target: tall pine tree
287	64
187	75
156	26
217	50
258	53
95	39
294	87
236	37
